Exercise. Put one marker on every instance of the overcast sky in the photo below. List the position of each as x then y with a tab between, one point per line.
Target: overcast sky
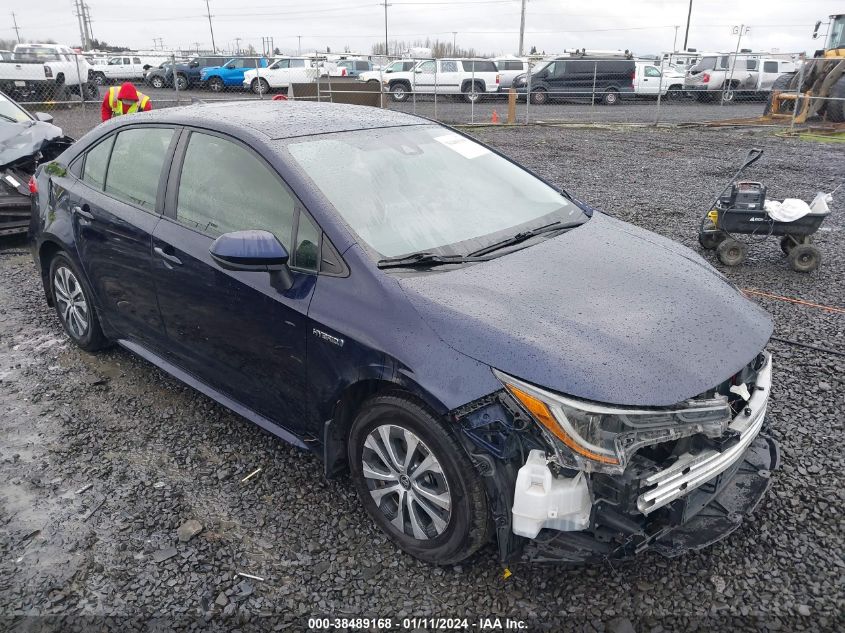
643	26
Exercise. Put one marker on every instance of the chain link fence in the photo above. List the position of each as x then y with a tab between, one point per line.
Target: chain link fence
716	89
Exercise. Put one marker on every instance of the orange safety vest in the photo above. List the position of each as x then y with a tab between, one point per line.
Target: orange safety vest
117	107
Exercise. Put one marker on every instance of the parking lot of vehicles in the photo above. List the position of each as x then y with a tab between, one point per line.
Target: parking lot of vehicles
604	80
723	77
400	65
185	73
468	78
44	71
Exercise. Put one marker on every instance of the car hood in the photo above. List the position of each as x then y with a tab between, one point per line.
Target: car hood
19	140
605	312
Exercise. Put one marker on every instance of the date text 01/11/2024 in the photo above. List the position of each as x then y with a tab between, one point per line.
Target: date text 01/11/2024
415	623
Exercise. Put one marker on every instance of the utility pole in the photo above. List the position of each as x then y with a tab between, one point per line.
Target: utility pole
386	51
686	35
210	28
16	27
238	45
81	18
675	40
522	28
86	19
299	45
454	39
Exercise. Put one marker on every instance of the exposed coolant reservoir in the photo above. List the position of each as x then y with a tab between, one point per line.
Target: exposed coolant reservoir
544	501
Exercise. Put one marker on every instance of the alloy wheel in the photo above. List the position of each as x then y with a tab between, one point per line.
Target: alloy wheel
70	299
407	482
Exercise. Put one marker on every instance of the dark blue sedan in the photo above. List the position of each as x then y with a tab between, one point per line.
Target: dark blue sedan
489	358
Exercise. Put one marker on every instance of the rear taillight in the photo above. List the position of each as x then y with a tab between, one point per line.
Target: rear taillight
48	72
634	75
33	185
497	78
705	78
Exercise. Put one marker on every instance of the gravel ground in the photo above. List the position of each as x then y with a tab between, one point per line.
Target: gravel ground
103	457
78	120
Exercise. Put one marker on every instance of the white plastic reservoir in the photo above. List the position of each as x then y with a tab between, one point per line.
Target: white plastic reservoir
543	501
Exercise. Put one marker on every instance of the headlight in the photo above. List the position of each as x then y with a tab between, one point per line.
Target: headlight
591	436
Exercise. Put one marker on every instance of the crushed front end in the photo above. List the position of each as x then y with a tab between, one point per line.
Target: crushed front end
574	481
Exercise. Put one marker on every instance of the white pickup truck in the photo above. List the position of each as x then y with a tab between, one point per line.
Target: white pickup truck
724	76
44	71
471	78
281	74
399	66
124	67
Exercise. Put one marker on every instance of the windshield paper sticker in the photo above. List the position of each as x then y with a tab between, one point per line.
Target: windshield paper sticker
462	146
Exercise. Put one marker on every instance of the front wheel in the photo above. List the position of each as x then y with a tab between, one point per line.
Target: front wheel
539	96
260	86
157	82
804	258
416	482
399	92
100	79
181	82
215	84
73	303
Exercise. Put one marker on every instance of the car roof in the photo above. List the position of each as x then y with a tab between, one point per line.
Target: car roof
282	119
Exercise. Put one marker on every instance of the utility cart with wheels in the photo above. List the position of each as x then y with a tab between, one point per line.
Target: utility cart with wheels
740	210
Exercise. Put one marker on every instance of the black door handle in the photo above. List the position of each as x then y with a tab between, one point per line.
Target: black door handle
83	212
166	256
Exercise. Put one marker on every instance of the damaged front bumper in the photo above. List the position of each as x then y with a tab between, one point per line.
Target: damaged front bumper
671	497
699	498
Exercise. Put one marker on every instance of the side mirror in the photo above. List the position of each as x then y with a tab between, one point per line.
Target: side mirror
253	251
418	70
43	116
816	30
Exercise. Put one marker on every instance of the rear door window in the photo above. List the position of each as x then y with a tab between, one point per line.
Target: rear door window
652	71
479	65
224	187
136	164
96	161
362	66
770	67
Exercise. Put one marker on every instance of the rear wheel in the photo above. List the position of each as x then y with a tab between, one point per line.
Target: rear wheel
804	258
72	299
611	97
472	93
215	84
416	482
732	252
676	91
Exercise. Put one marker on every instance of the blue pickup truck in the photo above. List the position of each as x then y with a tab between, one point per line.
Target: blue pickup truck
230	74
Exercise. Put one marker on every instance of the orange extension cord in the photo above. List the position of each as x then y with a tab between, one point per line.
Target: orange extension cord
810	304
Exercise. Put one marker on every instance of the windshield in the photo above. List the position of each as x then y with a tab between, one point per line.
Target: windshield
424	188
11	111
539	67
836	39
279	63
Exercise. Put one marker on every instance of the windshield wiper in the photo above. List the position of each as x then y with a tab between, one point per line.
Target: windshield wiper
9	118
525	235
425	259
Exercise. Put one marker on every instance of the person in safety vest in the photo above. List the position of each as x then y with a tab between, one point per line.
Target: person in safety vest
124	100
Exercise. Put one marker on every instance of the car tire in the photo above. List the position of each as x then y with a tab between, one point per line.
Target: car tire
611	97
73	301
787	243
675	92
92	91
732	252
259	86
182	82
157	82
443	508
399	92
472	92
100	79
215	84
539	96
804	258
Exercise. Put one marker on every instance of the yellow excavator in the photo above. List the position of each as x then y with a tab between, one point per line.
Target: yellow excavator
819	87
